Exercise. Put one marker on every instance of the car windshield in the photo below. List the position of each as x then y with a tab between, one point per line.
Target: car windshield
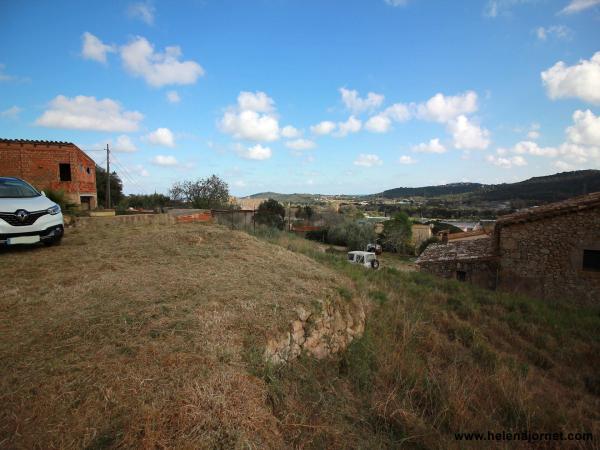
11	188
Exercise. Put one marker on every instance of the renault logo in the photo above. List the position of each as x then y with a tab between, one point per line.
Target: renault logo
22	215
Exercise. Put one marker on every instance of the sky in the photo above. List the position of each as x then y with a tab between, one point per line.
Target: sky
317	96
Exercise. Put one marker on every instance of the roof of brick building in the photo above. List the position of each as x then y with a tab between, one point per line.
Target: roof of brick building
572	205
476	249
33	141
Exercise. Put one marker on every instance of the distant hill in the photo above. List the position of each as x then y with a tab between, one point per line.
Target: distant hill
545	189
294	198
432	191
534	190
538	189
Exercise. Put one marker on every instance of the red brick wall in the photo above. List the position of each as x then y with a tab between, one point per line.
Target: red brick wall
38	164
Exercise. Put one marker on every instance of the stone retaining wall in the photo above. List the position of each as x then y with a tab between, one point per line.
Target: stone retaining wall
326	331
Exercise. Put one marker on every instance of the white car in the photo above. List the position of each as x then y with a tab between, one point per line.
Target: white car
365	259
27	216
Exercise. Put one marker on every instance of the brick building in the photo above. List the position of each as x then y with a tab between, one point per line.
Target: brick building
549	252
51	165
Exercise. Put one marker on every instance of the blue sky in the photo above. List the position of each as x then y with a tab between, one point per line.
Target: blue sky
351	96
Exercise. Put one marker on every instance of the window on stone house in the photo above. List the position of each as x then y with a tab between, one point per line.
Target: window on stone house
64	172
591	260
461	275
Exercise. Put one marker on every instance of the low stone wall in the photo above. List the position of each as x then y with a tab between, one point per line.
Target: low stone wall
321	333
130	219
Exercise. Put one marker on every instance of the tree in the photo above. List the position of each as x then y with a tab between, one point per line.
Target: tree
270	213
116	187
144	201
304	212
397	233
208	193
354	235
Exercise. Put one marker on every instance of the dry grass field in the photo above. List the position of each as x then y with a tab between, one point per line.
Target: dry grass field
136	336
152	337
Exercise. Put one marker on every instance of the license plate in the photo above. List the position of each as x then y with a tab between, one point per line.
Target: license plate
23	240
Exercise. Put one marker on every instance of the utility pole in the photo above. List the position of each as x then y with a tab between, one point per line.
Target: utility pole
107	177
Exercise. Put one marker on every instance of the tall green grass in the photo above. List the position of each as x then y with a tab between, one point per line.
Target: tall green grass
438	357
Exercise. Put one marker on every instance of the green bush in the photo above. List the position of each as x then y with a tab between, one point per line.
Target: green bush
57	196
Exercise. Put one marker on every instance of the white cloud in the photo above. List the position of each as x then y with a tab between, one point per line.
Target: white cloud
142	11
141	170
301	144
255	101
368	160
257	152
581	80
250	125
356	104
93	48
124	144
585	130
382	122
508	162
405	159
161	136
581	146
494	8
529	148
433	146
6	77
398	112
441	108
173	97
11	113
253	118
557	31
576	6
562	165
467	135
352	125
165	161
290	132
87	113
378	124
158	69
322	128
396	2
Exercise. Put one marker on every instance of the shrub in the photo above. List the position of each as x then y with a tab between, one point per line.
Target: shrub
354	235
271	213
57	196
425	244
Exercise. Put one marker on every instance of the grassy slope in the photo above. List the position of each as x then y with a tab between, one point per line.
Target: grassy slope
440	357
136	337
151	337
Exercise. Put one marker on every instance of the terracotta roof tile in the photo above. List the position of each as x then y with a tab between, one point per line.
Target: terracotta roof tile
571	205
34	141
458	251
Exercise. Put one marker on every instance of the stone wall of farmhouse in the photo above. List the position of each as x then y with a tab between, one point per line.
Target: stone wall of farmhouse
479	273
544	258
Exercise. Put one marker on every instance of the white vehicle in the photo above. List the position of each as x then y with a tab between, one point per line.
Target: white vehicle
365	259
27	216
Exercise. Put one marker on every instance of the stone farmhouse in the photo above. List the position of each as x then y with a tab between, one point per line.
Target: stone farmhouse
51	165
549	252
